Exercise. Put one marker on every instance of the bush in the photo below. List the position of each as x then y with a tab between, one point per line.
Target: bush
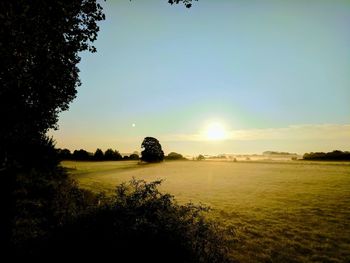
42	201
174	156
134	156
35	199
200	157
140	224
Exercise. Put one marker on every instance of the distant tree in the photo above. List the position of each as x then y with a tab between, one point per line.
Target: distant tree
174	156
81	155
152	150
98	155
117	155
200	157
134	156
64	154
111	155
329	156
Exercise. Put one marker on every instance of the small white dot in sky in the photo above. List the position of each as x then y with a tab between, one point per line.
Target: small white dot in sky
133	125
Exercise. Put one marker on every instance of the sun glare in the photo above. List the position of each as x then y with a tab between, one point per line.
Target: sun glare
215	131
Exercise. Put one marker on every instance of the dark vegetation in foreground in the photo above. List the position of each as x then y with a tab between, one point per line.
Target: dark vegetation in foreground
329	156
53	216
140	224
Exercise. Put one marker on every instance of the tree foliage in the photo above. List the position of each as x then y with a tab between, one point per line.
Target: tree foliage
187	3
174	156
111	155
134	156
98	155
329	156
200	157
39	45
64	154
40	41
81	155
152	150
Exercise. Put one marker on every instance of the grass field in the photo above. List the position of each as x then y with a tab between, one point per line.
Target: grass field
291	211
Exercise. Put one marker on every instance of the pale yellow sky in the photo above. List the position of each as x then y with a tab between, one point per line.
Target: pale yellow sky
295	138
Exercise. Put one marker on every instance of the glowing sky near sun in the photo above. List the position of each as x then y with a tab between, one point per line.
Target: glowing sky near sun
272	75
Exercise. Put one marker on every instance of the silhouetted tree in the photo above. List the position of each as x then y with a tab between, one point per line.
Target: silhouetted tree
81	155
98	155
111	155
329	156
40	42
134	156
152	150
64	154
174	156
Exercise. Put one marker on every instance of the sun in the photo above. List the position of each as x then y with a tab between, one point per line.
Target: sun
215	132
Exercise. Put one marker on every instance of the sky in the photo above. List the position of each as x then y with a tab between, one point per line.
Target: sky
272	75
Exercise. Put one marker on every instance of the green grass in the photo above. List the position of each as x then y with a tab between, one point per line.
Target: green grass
278	211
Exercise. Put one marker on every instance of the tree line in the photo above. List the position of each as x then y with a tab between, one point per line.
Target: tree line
98	155
108	155
329	156
152	153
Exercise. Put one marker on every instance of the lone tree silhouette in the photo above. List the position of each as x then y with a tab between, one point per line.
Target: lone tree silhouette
152	152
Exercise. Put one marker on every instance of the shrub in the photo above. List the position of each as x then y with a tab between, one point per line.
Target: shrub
140	224
200	157
34	203
134	156
174	156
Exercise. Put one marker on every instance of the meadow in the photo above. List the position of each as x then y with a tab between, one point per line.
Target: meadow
275	211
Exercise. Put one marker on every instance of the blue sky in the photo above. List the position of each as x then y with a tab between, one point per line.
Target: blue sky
255	67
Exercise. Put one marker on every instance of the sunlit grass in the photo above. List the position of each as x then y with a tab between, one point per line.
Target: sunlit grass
278	211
